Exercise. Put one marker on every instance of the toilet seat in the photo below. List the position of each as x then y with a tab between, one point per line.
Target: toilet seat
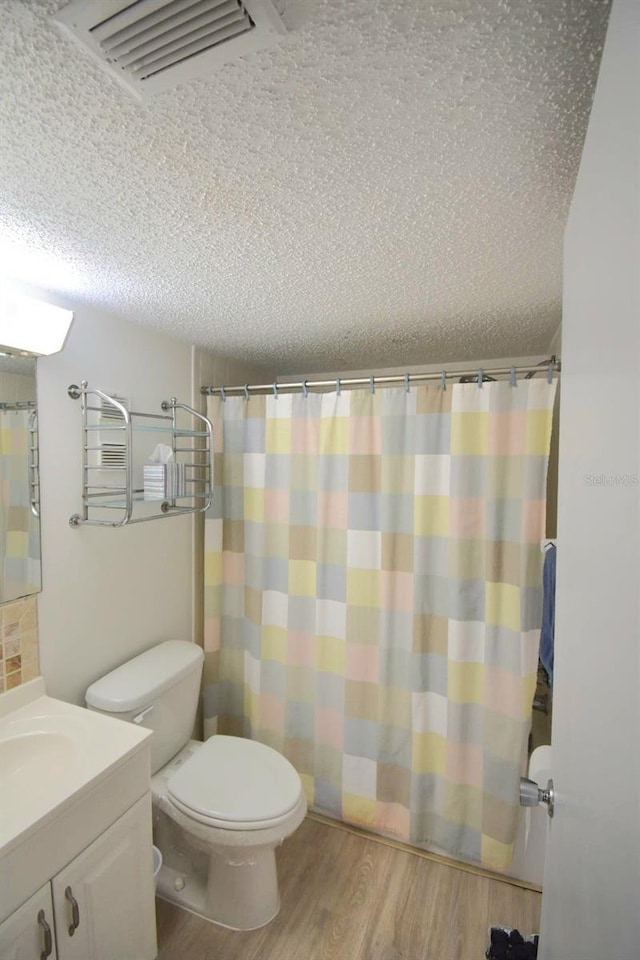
235	784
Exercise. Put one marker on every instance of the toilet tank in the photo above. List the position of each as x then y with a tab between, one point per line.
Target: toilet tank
159	690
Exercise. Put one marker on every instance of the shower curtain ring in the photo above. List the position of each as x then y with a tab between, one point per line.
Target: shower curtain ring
512	378
443	379
275	391
338	387
246	391
305	389
550	372
223	394
406	382
480	378
372	384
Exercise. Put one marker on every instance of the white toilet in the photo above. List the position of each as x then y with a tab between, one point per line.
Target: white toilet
220	807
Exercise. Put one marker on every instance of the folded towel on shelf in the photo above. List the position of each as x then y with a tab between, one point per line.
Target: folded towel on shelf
547	633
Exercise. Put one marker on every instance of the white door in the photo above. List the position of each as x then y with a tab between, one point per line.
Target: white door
104	899
591	899
28	934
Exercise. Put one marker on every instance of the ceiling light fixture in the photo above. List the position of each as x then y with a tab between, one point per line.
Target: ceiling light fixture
31	327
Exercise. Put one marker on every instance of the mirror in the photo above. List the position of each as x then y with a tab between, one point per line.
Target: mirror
20	574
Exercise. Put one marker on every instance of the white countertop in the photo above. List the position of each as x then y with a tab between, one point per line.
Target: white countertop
51	753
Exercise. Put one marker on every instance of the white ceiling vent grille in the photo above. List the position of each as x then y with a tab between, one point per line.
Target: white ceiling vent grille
153	45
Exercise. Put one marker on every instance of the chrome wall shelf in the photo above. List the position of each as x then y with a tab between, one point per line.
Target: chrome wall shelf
112	465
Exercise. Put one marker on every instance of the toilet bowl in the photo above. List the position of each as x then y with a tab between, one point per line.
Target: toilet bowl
220	807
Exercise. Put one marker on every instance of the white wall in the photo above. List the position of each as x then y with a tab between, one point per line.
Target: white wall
107	593
592	878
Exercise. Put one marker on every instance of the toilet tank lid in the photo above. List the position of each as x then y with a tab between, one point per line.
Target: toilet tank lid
139	681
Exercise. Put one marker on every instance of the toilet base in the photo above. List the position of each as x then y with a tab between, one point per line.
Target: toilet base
235	885
242	887
192	897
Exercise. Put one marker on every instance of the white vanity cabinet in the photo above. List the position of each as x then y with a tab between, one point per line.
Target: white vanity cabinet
103	901
28	934
76	855
99	907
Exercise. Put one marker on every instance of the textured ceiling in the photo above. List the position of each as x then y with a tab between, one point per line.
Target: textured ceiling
389	184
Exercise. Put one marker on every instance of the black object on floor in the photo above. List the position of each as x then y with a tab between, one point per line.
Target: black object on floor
505	944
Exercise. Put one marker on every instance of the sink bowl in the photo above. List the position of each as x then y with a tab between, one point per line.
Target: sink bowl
37	752
34	759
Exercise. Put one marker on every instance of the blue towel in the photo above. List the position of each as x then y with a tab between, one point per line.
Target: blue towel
547	633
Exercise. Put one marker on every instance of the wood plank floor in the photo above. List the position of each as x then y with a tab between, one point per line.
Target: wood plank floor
346	897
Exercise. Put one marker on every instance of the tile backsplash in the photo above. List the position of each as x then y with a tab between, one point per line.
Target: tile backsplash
18	642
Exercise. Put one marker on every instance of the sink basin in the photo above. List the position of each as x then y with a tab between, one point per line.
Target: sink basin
38	755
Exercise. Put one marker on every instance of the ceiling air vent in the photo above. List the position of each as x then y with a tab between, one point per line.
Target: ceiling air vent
153	45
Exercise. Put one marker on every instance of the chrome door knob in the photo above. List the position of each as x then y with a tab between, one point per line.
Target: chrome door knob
531	794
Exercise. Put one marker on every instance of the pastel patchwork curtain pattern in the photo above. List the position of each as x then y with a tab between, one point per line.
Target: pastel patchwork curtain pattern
373	599
19	529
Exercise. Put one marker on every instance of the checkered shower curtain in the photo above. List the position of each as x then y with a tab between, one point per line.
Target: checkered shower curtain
19	529
373	599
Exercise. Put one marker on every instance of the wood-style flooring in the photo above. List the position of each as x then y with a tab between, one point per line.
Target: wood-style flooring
347	897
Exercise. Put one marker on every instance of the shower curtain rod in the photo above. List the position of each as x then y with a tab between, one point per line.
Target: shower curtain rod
19	405
550	367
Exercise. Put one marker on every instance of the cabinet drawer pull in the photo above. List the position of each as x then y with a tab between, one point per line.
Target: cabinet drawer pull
75	911
48	939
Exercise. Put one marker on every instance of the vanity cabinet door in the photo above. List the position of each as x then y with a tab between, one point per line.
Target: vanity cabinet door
104	900
28	933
